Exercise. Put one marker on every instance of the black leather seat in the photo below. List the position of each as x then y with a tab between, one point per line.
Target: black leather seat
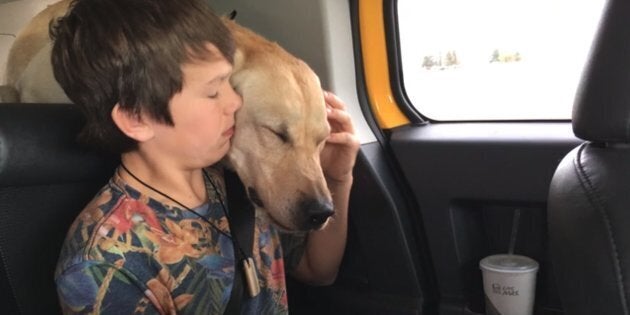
589	197
45	181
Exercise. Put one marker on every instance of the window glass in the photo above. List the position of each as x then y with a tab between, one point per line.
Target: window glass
495	59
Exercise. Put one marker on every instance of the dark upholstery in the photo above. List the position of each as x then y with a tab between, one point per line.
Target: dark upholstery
45	180
602	108
589	197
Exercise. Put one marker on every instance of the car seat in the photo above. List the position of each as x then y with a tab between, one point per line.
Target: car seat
589	197
46	179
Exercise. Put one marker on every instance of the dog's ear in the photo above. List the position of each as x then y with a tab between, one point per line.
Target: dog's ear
232	15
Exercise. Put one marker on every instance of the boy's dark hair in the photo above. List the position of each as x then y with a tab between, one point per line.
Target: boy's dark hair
130	52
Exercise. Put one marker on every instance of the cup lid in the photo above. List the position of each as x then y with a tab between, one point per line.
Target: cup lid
508	263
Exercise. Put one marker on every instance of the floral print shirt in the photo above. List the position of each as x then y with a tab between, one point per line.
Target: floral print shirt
127	253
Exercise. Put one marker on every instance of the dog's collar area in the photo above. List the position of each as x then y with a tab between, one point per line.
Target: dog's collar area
254	197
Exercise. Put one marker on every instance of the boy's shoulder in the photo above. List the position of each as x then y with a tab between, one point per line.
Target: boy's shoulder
88	225
120	229
122	223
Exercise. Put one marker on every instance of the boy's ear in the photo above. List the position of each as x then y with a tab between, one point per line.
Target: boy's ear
131	124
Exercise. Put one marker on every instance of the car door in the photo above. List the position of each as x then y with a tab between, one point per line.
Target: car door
474	117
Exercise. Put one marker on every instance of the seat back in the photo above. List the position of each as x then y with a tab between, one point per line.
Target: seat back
589	197
46	179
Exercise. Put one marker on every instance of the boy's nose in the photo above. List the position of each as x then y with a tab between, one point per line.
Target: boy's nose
236	101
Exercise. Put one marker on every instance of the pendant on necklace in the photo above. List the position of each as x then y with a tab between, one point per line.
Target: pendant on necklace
251	277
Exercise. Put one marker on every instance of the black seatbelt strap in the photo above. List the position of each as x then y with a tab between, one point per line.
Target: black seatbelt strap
241	223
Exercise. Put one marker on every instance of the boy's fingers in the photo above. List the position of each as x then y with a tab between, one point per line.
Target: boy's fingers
333	101
339	138
342	119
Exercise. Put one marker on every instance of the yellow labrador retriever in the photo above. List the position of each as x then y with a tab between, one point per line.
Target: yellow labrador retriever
280	129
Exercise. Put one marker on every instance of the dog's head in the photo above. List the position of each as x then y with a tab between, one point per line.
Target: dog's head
280	132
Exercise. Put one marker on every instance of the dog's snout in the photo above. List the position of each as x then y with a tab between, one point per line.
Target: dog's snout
317	213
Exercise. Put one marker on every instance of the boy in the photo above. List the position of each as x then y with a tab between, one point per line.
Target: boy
152	77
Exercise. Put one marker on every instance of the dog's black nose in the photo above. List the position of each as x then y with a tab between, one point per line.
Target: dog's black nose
316	213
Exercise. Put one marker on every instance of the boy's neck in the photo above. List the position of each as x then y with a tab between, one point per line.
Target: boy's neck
185	186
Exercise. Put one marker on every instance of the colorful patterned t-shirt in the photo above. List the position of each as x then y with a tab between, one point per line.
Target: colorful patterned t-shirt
127	253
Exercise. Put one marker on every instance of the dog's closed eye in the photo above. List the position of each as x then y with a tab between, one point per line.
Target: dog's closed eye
280	133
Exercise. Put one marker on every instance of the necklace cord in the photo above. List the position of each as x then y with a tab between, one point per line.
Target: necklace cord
231	236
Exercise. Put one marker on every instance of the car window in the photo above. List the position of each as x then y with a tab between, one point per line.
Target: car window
495	59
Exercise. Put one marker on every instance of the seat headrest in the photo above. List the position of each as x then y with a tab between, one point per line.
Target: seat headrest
601	111
38	145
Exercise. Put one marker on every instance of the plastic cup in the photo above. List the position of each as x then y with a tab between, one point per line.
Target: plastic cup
509	284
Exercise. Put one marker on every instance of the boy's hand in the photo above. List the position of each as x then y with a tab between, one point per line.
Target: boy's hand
340	152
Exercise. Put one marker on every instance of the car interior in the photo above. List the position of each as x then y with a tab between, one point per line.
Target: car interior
430	198
588	200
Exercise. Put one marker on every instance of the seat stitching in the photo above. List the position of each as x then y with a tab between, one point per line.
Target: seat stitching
596	201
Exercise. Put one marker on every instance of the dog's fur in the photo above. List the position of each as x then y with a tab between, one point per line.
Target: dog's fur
280	130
